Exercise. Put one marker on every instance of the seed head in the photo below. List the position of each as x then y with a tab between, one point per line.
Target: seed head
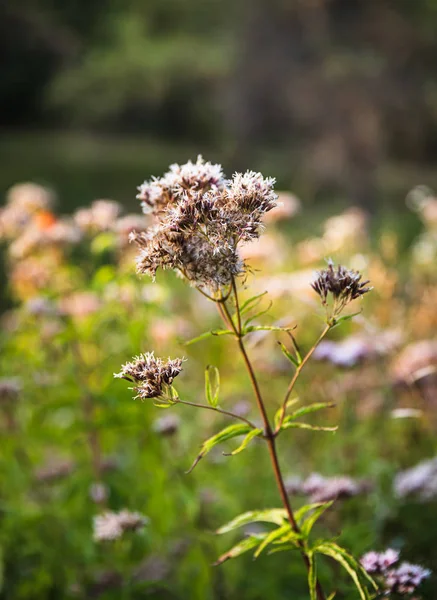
200	220
341	284
150	374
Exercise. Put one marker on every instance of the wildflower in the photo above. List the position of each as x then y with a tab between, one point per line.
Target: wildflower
10	389
347	230
400	580
152	375
343	285
112	525
200	176
357	348
420	480
201	218
79	304
405	579
98	492
378	562
101	216
288	206
324	489
125	225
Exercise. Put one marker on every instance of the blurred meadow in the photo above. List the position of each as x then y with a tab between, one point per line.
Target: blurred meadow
335	99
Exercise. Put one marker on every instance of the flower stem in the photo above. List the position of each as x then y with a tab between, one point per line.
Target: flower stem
219	410
296	375
269	434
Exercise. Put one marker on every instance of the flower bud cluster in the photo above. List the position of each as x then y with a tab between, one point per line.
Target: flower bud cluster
150	374
402	580
342	285
201	218
112	525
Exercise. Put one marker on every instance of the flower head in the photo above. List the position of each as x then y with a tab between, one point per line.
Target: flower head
150	374
342	285
379	562
201	218
401	580
10	389
405	579
112	525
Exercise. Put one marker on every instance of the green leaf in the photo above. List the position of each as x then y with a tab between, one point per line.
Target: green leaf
309	522
296	425
245	442
312	576
288	354
267	328
244	546
212	388
310	408
207	334
162	404
340	320
301	512
271	537
350	565
251	302
278	413
258	314
226	434
273	515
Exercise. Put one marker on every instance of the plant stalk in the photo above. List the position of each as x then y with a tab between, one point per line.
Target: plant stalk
269	434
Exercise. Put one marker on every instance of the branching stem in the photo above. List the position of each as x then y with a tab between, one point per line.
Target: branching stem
296	375
219	410
269	434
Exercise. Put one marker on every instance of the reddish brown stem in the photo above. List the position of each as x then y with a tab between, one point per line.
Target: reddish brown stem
269	434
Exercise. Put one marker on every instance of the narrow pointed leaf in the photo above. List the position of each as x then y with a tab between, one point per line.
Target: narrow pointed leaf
252	434
226	434
310	408
310	521
251	302
244	546
267	328
297	425
347	562
301	513
258	314
271	537
273	515
207	334
212	385
344	318
278	413
288	354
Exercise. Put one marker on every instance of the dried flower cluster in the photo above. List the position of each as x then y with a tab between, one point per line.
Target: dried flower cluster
112	525
343	285
101	216
10	389
419	481
323	489
402	580
151	374
201	218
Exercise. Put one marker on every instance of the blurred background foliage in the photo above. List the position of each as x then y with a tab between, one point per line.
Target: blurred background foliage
337	99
